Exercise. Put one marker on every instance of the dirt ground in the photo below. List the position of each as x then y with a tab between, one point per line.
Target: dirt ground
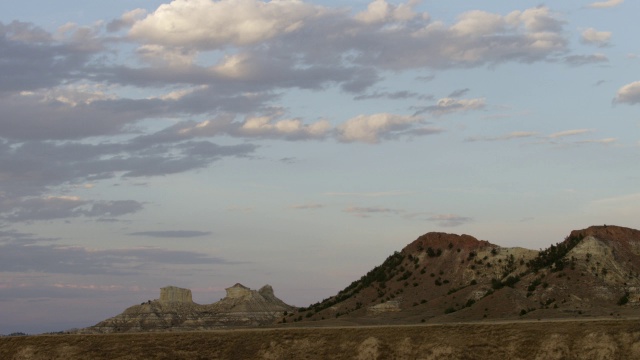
559	339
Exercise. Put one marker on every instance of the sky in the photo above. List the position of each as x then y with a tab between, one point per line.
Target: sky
201	143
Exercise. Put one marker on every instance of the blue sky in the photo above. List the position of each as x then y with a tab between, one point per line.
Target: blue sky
202	143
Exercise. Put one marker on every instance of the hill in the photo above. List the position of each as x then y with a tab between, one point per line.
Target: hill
176	311
445	277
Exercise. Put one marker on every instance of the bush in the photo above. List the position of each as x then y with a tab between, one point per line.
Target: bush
624	299
496	284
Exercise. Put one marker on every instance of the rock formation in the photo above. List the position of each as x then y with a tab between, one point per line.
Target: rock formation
176	311
175	294
446	277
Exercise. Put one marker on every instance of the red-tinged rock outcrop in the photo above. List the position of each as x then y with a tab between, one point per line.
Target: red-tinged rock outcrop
443	277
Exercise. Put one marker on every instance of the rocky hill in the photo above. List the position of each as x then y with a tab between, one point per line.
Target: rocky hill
445	277
175	310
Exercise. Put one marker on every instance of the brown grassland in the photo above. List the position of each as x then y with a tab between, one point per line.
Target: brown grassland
534	339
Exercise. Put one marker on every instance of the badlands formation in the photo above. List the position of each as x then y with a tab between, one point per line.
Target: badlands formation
176	311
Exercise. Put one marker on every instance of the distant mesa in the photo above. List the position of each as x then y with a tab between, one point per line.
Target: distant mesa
176	311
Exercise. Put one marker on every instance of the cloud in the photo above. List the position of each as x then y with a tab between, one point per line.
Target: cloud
509	136
213	25
449	220
573	132
126	20
172	233
60	207
321	35
31	58
595	37
380	11
579	60
628	94
372	128
307	206
605	4
605	141
365	212
60	259
264	126
368	194
458	93
393	95
450	105
31	169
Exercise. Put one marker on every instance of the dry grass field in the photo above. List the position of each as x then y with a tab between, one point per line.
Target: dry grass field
560	339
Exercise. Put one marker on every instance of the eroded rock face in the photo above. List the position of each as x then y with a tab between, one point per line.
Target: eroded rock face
176	311
175	294
389	306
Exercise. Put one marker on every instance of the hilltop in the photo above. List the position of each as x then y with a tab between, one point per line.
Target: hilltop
443	277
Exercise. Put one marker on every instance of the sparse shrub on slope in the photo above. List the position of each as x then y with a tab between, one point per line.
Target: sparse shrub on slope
554	255
379	274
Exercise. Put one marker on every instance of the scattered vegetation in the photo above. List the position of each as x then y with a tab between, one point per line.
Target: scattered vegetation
554	255
624	299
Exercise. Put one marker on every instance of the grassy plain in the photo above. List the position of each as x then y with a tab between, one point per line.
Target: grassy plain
558	339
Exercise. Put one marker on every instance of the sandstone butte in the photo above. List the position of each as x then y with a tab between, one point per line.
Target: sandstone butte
176	311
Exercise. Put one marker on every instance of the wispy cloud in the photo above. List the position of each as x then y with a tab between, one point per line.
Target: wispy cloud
565	133
509	136
450	220
172	233
605	4
365	212
62	259
451	105
579	60
369	194
307	206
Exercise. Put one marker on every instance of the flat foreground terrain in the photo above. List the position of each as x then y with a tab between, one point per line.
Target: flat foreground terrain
579	339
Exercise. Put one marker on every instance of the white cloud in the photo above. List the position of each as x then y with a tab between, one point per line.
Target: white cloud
605	141
605	4
265	126
371	128
479	22
289	128
509	136
450	105
595	37
569	133
629	94
215	24
380	11
449	220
